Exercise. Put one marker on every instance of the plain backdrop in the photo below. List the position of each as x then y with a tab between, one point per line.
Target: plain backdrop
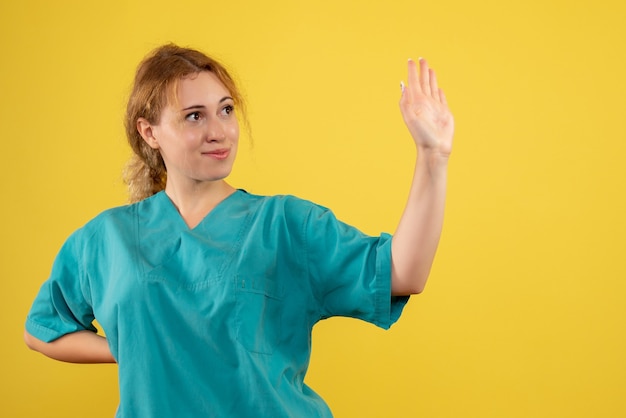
525	311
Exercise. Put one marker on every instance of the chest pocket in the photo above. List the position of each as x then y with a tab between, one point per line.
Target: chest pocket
258	313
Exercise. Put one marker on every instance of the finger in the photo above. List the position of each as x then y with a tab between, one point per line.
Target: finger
424	77
434	88
413	78
442	98
402	93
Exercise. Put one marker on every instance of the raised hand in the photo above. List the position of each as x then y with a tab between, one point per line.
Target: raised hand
425	110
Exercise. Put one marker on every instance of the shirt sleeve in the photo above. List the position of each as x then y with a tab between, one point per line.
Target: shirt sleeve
63	303
350	271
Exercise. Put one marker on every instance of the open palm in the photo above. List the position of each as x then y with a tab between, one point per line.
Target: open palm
425	110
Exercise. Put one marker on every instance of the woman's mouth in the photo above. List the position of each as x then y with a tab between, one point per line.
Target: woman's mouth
218	154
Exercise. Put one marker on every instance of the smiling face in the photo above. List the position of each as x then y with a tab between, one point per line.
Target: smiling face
197	133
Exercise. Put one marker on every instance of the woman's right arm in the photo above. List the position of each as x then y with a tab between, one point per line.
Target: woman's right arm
77	347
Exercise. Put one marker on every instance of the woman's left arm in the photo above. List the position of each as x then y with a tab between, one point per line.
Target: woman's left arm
426	115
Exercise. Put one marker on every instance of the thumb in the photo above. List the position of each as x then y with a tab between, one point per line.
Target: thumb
404	99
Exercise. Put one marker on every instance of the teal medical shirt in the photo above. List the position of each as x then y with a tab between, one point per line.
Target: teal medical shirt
215	321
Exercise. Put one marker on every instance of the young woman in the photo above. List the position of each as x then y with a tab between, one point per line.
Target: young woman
208	294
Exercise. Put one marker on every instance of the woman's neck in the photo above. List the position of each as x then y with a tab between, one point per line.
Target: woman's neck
195	201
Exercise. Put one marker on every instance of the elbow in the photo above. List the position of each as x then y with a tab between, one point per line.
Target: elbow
31	342
409	279
406	290
419	283
407	287
416	288
28	340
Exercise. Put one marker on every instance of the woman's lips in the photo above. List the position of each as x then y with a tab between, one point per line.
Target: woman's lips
218	154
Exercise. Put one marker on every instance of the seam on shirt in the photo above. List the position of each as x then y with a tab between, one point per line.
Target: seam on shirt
136	243
383	291
388	307
85	284
307	258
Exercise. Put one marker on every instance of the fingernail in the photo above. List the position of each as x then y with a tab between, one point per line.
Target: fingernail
402	86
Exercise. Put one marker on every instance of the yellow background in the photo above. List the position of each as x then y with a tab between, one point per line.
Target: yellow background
524	314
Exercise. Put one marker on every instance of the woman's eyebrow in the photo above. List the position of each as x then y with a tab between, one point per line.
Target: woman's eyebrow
223	99
194	107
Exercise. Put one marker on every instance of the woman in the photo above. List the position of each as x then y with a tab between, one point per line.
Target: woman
208	294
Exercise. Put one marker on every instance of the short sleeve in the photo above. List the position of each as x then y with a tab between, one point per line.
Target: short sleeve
350	271
62	305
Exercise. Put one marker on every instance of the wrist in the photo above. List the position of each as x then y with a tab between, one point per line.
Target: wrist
433	159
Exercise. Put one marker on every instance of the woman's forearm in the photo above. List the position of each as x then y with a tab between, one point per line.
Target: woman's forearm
77	347
417	236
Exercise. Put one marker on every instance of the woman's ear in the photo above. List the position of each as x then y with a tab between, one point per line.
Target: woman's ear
146	131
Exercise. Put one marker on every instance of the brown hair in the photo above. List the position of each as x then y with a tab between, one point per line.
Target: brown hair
154	86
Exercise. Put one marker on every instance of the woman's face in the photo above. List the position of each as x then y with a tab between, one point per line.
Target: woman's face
197	136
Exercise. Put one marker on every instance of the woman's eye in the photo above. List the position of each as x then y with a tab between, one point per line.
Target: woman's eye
195	116
227	110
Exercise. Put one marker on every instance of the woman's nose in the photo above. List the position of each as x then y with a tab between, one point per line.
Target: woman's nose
215	131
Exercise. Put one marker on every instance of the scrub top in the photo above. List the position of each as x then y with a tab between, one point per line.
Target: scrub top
215	321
